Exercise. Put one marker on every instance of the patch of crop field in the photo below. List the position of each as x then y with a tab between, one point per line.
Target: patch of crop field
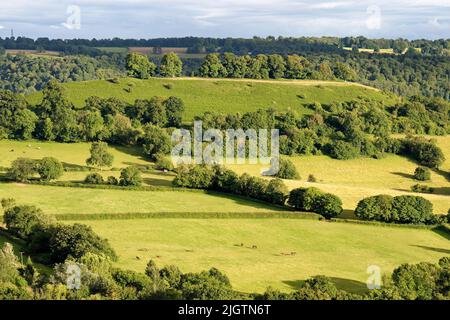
222	95
68	200
288	250
358	178
70	154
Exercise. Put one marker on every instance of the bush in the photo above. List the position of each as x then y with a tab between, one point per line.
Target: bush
7	203
22	169
426	152
421	188
49	168
155	141
312	178
328	205
112	181
130	176
411	209
287	170
94	178
162	162
375	208
313	199
76	241
422	174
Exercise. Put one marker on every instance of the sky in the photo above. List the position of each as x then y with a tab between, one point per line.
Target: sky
411	19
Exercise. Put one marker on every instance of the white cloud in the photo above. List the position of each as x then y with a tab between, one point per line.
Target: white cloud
164	18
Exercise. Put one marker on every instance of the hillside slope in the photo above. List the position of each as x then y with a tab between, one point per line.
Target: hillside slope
222	95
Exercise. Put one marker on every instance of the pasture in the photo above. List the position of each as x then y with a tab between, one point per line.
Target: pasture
222	95
288	250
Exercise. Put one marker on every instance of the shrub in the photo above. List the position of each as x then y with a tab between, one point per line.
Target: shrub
312	178
421	188
375	208
112	181
328	205
163	163
130	176
426	152
22	169
411	209
287	170
422	174
7	203
94	178
225	180
49	168
313	199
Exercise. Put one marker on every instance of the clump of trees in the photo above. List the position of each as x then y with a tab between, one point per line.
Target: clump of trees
43	235
140	66
221	179
24	169
400	209
315	200
287	169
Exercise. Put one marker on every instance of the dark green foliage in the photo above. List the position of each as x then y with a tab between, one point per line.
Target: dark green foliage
196	176
276	192
94	178
287	170
411	209
111	180
76	241
130	176
206	285
422	174
343	150
155	141
416	282
375	208
49	168
400	209
313	199
23	220
174	111
426	152
422	188
22	169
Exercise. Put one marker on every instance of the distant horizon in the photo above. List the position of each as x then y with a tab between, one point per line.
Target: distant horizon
212	37
150	19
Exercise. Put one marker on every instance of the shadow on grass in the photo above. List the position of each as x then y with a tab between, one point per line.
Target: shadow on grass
157	182
440	250
443	173
404	175
442	231
348	285
75	167
132	151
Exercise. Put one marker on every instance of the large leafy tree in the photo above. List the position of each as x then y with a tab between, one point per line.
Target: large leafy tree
171	65
139	66
99	155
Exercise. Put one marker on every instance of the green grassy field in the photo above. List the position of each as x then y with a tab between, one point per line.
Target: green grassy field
355	179
63	200
223	96
342	251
